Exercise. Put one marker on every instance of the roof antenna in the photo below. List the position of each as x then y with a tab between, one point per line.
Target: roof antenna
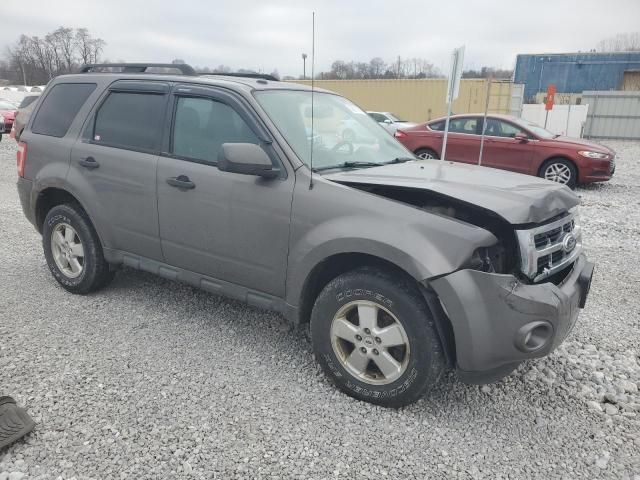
313	62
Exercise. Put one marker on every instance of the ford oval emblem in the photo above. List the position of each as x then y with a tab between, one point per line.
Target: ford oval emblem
569	242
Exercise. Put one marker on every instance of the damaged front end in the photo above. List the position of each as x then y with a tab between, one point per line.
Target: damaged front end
515	300
498	321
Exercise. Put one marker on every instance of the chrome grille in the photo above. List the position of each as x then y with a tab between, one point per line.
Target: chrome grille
549	248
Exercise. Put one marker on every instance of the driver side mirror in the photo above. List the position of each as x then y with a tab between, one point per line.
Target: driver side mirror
388	122
521	137
245	159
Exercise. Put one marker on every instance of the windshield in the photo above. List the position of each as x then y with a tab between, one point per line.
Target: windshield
343	135
7	105
535	129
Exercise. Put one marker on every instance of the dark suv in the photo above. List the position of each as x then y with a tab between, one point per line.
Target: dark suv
243	187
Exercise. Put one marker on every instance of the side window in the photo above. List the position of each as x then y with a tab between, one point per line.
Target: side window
202	125
130	120
464	125
60	107
498	128
378	117
437	126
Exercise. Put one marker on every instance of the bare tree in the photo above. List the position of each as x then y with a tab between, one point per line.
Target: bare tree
64	38
623	42
97	46
36	60
83	45
377	67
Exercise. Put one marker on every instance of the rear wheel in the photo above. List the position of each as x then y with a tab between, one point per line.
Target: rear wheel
73	250
375	337
561	171
426	154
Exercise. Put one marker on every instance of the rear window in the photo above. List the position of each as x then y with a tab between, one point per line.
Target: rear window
130	120
60	107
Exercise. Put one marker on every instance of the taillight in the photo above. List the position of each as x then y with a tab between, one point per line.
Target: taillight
21	158
400	134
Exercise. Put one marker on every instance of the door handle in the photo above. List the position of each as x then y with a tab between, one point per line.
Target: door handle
182	182
88	162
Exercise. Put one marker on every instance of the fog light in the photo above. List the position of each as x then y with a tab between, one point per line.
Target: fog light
533	336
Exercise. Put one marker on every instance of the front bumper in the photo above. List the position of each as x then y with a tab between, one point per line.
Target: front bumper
598	171
499	321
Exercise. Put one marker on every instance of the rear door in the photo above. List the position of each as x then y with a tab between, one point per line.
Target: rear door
502	150
463	142
114	165
225	225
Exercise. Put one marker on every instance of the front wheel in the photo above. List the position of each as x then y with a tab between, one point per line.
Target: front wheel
375	337
561	171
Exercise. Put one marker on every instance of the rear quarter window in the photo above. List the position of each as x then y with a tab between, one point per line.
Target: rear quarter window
437	126
60	107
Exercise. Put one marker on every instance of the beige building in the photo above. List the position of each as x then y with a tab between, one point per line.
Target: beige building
424	99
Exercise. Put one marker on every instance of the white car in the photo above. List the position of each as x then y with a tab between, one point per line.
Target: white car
389	121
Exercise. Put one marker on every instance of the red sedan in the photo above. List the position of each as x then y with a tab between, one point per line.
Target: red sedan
513	144
8	110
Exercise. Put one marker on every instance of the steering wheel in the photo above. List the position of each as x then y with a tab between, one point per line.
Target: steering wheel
344	143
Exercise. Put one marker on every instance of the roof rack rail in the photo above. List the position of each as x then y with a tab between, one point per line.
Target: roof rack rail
262	76
183	68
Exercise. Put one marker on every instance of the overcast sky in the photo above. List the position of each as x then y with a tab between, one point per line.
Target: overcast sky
267	35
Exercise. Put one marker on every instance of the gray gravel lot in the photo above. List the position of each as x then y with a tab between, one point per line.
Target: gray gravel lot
154	379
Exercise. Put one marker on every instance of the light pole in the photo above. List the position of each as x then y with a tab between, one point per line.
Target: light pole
304	66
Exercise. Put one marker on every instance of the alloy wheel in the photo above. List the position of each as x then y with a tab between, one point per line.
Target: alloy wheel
67	250
426	155
370	342
558	172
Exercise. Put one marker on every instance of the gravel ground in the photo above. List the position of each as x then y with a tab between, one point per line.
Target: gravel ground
153	379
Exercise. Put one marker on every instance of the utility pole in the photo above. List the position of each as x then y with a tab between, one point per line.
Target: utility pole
484	120
304	66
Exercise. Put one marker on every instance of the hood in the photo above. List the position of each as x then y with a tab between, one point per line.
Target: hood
517	198
583	144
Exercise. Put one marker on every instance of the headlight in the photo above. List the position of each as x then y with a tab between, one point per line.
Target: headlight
588	154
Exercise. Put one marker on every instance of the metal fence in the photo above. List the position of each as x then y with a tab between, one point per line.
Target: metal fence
612	115
424	99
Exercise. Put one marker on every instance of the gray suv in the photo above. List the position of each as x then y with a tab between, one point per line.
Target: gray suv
244	187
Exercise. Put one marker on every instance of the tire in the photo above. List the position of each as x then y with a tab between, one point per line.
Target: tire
70	222
561	171
426	153
386	299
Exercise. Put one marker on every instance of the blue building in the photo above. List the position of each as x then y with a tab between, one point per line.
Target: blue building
576	72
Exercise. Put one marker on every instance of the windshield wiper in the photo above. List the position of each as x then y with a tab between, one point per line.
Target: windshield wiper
400	160
350	165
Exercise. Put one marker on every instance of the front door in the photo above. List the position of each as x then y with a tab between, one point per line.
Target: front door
225	225
113	166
